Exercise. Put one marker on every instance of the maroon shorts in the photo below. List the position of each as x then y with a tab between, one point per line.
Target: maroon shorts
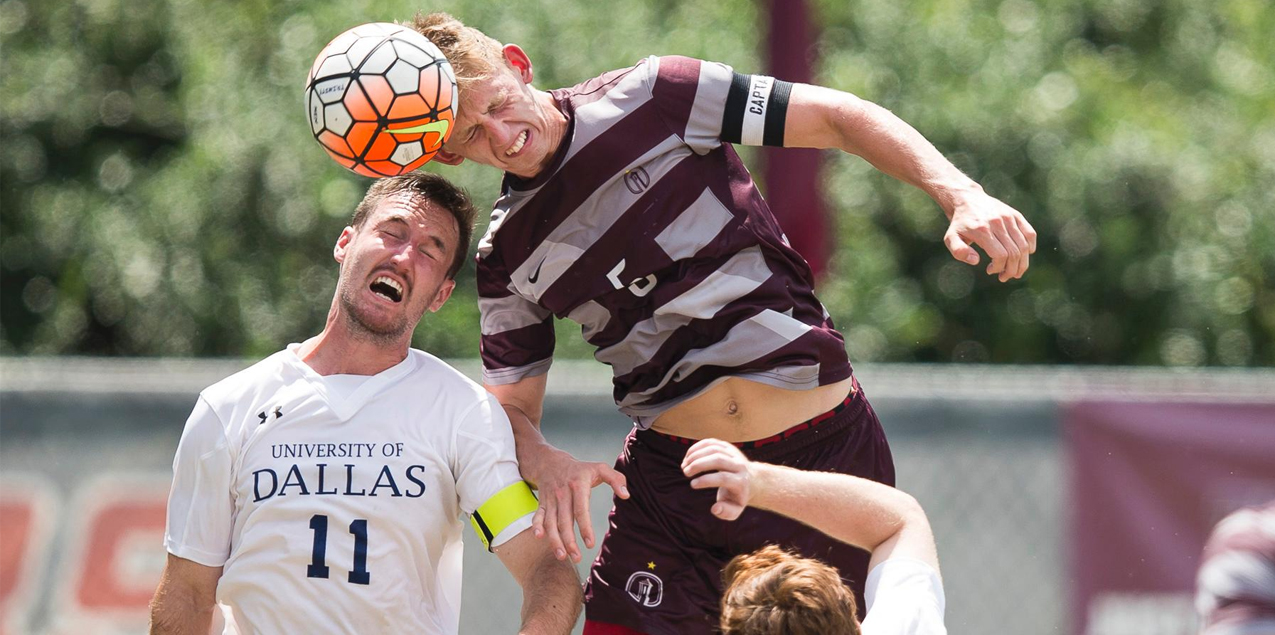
659	570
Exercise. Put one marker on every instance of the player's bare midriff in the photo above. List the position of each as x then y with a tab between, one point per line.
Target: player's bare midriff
743	410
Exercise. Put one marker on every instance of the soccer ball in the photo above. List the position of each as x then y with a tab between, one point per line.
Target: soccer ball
381	99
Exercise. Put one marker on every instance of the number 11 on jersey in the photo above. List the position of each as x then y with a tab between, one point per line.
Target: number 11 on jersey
318	567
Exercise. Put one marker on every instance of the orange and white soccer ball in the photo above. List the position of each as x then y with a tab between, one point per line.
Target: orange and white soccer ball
381	99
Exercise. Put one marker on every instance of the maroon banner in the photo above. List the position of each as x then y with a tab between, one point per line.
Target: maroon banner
792	175
1147	483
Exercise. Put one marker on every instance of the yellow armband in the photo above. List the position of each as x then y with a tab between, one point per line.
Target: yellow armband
502	510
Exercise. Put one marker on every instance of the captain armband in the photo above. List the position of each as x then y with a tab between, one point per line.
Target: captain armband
756	109
502	510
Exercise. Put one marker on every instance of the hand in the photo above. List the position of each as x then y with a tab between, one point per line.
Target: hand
727	469
999	229
564	485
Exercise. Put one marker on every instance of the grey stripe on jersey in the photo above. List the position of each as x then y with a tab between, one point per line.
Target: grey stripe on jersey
592	119
695	228
592	318
501	376
738	277
763	333
704	126
588	222
508	313
596	118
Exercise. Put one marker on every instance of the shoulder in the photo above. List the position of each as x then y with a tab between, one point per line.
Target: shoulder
682	70
451	402
595	88
266	375
438	377
904	596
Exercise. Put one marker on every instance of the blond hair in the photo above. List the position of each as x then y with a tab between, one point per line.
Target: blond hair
473	54
773	592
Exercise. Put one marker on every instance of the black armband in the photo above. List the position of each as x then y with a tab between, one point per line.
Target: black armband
756	109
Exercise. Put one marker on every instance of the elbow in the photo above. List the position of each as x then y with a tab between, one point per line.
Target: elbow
852	122
910	512
551	572
903	516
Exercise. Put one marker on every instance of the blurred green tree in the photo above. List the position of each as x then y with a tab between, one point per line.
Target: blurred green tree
160	194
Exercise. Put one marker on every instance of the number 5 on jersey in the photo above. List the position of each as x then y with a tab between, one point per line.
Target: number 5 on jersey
318	567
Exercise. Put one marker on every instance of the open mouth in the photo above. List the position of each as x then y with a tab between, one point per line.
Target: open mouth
387	288
518	144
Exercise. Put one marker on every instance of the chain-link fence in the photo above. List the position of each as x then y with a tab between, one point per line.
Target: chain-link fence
81	440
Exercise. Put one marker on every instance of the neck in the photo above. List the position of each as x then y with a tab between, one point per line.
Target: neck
339	350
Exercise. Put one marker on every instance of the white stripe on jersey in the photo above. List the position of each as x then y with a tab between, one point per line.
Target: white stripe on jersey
754	126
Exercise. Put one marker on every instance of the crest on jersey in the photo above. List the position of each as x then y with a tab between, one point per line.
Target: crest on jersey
645	588
637	180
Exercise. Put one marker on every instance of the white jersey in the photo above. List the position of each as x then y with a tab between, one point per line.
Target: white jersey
904	597
334	504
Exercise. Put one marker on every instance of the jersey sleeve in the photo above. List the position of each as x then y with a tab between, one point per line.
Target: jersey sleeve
517	337
200	503
706	103
491	490
904	597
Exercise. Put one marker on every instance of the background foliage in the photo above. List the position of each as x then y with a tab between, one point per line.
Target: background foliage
161	194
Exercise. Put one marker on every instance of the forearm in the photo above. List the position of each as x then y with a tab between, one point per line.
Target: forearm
523	402
173	614
848	508
551	598
894	147
821	117
529	444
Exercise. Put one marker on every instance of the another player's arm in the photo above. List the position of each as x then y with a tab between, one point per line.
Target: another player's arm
563	482
820	117
881	519
183	603
551	594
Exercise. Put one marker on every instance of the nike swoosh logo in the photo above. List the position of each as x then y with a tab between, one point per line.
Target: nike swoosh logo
536	274
440	127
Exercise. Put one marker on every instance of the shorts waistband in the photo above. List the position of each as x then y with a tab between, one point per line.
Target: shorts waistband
781	436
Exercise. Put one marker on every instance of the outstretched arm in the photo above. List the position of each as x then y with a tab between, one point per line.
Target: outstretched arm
876	517
824	118
551	595
563	482
183	603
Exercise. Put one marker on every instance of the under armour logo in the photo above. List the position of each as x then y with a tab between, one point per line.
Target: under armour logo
278	412
637	180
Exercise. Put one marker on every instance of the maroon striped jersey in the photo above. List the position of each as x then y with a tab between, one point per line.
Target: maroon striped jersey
647	230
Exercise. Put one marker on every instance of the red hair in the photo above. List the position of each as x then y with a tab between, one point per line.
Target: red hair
774	592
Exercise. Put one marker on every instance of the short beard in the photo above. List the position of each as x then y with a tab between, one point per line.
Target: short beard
362	329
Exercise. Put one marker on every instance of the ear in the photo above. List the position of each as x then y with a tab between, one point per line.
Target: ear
440	298
518	59
342	243
448	158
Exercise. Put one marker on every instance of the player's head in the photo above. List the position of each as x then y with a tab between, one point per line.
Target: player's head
474	55
400	254
502	121
773	592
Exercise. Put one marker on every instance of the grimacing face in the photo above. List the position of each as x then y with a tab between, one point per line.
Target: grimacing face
503	124
394	267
